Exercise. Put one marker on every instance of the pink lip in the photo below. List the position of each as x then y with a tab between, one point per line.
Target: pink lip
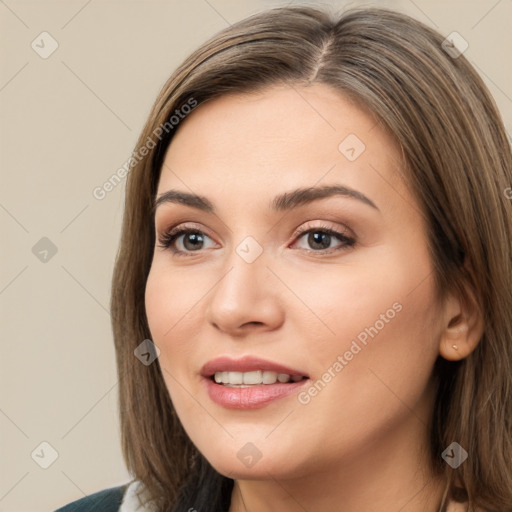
253	397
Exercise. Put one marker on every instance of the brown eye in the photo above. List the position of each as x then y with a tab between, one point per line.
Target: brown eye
193	241
190	240
320	238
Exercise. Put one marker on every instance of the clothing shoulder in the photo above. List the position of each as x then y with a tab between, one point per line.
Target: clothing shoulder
130	497
107	500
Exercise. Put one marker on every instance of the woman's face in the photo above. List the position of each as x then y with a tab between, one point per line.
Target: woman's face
332	291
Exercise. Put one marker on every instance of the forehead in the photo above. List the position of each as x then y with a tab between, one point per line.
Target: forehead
278	138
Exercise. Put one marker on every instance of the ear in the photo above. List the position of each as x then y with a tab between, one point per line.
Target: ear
463	326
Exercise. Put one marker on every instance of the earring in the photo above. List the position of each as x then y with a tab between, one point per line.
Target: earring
455	347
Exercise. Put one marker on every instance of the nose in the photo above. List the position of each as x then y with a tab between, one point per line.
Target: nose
246	298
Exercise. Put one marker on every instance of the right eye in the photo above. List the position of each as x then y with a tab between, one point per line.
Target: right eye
192	240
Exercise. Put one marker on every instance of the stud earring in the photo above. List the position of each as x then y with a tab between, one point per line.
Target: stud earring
455	347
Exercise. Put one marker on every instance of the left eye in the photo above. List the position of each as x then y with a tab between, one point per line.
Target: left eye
319	239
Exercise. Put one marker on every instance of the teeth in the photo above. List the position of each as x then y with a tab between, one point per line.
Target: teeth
243	379
269	377
249	377
236	378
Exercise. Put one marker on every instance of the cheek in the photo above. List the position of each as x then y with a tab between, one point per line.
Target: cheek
171	295
170	299
387	366
374	342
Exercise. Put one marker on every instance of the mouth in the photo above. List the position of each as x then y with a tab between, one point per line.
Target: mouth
250	382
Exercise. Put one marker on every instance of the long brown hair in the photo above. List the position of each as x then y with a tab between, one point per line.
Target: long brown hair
459	166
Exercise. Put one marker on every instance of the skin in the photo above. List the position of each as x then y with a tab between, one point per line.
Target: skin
362	442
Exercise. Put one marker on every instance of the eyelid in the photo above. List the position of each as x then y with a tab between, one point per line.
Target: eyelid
343	231
185	226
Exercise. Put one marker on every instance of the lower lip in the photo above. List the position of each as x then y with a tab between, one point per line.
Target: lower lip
253	397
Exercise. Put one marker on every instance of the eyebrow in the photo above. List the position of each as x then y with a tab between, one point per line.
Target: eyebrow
283	202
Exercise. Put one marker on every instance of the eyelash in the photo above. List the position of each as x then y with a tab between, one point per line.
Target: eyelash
167	239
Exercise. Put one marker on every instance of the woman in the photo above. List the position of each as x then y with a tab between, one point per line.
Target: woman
312	298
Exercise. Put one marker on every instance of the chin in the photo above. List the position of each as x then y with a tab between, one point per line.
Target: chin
261	470
250	462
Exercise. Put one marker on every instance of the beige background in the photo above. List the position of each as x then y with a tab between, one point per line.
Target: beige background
68	123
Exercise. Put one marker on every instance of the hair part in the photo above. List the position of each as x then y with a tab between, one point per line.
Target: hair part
458	164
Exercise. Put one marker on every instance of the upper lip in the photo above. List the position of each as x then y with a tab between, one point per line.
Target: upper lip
246	364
